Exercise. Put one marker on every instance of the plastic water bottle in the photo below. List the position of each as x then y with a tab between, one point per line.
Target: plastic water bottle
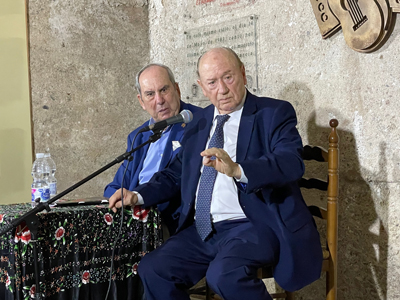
40	188
50	167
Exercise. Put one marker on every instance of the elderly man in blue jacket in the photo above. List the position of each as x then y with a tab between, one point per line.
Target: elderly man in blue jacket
159	95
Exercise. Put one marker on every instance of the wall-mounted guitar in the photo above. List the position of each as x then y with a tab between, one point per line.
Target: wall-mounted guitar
366	24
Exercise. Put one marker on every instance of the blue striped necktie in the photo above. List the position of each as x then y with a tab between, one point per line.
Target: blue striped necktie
207	180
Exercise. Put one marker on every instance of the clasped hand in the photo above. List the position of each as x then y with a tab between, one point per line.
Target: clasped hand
223	163
130	199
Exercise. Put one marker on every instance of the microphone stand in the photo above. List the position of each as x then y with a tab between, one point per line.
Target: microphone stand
32	220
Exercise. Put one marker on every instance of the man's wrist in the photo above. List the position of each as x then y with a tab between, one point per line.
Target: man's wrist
139	198
242	178
238	172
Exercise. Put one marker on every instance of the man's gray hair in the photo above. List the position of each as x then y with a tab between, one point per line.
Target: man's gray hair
170	75
240	63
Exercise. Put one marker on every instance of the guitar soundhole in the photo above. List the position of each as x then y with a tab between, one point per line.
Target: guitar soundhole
356	14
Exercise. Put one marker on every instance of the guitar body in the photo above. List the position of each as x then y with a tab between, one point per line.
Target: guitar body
362	22
388	24
386	13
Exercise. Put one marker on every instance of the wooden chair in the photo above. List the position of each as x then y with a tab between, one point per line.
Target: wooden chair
330	214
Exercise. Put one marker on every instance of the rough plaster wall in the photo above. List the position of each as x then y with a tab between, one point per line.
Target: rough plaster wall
84	56
323	79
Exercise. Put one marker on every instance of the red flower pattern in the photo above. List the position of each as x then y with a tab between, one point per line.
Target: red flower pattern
108	218
2	218
32	291
134	268
85	277
8	281
22	233
140	213
26	237
60	233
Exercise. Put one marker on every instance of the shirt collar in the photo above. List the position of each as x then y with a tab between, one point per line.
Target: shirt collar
151	121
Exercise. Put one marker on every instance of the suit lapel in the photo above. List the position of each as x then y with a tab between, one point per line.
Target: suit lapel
246	126
204	126
144	138
176	134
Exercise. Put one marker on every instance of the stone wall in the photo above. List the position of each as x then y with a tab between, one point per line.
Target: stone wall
322	79
84	57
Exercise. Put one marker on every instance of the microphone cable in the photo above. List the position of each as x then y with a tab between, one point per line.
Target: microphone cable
122	219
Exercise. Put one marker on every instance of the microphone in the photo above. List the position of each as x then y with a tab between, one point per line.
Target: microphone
185	116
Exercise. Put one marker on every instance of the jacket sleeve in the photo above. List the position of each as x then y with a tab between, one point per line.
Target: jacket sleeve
112	187
164	185
279	162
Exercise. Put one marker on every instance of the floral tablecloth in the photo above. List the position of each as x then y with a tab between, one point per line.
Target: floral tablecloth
74	252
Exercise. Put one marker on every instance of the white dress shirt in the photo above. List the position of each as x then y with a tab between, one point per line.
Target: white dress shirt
225	201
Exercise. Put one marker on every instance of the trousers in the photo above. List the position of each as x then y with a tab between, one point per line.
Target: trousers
229	260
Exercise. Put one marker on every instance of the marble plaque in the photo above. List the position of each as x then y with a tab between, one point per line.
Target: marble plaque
240	35
197	9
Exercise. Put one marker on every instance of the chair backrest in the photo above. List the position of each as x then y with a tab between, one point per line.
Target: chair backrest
330	214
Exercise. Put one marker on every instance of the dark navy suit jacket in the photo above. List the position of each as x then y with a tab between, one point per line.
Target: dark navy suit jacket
169	211
269	150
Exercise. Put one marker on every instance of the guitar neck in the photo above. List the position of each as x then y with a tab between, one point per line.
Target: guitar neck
356	14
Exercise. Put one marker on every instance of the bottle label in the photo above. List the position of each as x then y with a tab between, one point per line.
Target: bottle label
42	193
53	188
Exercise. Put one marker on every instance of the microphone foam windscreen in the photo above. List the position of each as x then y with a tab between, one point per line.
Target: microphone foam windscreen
187	115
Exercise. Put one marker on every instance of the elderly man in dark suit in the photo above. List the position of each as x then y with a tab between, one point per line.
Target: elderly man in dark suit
237	174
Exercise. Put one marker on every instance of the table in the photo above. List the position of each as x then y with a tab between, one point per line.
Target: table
75	246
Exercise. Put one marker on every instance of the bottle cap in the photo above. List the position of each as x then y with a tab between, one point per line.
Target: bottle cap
39	155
